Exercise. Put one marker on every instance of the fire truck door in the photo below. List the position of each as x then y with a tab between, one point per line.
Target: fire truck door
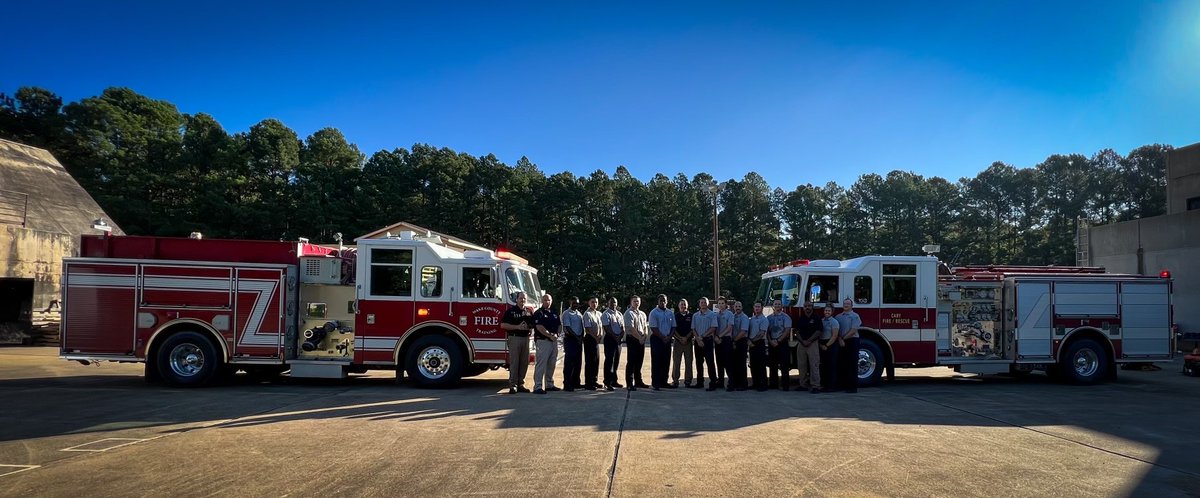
1033	331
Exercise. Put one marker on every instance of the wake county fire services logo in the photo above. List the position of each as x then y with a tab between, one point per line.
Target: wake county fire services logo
485	318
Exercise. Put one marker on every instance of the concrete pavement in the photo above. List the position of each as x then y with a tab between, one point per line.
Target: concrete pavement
930	433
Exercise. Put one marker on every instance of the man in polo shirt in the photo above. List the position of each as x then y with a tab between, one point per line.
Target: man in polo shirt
546	327
829	348
724	341
662	326
636	330
704	324
593	335
682	353
517	322
848	324
757	335
698	350
741	326
573	332
778	335
614	334
808	350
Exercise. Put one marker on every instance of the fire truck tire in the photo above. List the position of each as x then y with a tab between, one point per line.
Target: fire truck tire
870	362
1085	362
188	359
435	361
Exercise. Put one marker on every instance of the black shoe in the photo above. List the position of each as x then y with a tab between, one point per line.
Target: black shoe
672	386
617	385
741	389
591	388
569	389
521	389
711	388
632	388
697	385
851	391
815	391
539	391
728	389
642	385
553	388
786	388
656	388
512	390
608	388
761	389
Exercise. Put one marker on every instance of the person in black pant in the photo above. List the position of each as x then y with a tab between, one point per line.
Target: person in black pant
662	325
757	335
848	324
613	323
572	324
737	366
830	335
779	333
724	341
593	331
704	324
636	328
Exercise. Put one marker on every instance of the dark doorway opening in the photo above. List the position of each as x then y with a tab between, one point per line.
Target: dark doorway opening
16	310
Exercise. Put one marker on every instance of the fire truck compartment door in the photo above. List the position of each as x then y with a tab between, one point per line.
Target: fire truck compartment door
1145	319
1034	334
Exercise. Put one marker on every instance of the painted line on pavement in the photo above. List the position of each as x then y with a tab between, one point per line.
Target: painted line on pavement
19	468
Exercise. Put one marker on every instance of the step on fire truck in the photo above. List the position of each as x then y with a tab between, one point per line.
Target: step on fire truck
1076	323
194	310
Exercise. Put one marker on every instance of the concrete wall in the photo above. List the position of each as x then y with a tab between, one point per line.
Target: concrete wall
1183	177
1150	245
26	253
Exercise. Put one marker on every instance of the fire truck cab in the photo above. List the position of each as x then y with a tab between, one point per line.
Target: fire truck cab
1076	323
196	309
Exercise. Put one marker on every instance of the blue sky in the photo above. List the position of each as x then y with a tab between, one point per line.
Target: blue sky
801	92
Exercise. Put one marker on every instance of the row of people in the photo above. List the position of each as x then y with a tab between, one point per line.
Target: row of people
824	346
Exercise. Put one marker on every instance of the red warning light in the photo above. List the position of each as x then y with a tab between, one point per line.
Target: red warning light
1165	274
798	262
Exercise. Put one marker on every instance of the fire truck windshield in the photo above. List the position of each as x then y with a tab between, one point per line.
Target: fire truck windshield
782	287
522	280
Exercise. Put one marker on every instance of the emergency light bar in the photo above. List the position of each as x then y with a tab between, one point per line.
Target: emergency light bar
502	254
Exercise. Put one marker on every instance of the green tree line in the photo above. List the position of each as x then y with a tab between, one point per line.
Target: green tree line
157	171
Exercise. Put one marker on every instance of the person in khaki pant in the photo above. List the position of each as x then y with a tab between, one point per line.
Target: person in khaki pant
517	323
808	350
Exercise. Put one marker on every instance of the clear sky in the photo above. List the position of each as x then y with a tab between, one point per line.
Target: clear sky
802	92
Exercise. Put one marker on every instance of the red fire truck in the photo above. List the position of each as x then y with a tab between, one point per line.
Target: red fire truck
1076	323
196	309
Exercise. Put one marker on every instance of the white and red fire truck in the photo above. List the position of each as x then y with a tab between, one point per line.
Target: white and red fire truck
1076	323
196	309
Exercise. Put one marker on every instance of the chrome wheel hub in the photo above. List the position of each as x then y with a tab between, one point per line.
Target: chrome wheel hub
866	364
1085	362
186	360
433	362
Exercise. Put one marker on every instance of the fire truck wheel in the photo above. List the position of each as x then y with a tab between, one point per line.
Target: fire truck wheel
870	362
188	359
435	361
1084	362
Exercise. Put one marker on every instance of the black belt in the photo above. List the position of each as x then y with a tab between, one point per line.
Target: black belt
519	333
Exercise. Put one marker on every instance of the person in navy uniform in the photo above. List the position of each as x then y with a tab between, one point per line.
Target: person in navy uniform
546	327
593	336
662	326
636	329
682	353
724	341
780	353
847	360
737	366
757	335
573	333
614	334
704	324
517	322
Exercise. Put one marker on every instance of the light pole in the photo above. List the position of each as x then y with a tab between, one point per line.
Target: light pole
715	188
